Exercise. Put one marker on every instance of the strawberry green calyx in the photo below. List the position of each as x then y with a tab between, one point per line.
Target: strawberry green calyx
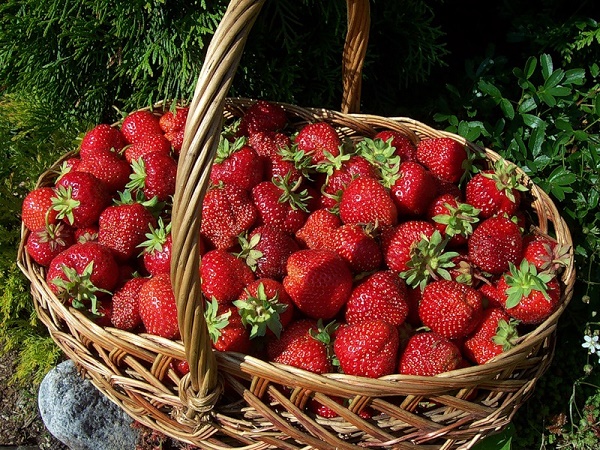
324	334
79	287
523	281
261	313
429	261
297	200
299	158
506	334
215	322
504	174
332	162
382	155
459	220
156	237
64	203
248	252
138	175
226	148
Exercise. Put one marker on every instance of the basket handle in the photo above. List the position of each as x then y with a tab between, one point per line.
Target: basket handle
200	390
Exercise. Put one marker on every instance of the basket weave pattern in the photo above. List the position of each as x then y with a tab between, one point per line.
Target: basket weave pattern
234	400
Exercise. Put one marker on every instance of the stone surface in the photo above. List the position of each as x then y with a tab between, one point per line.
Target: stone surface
80	416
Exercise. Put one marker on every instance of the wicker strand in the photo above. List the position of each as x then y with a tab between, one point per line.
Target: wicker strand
355	48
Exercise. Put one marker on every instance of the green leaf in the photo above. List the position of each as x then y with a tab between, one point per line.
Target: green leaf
581	135
559	91
489	89
554	79
547	65
533	121
500	441
563	124
538	135
575	76
507	108
528	105
530	66
547	99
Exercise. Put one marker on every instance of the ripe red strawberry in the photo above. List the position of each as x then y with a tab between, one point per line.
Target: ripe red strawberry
238	164
139	124
262	116
496	333
496	191
303	344
267	250
318	281
496	243
404	147
123	227
80	199
280	167
226	329
398	242
227	212
450	309
157	248
37	210
268	143
316	233
428	354
86	234
414	189
265	307
318	140
383	295
357	247
444	157
223	276
157	307
109	168
101	140
125	305
545	253
367	349
452	218
43	245
149	144
174	121
366	201
83	274
280	205
490	295
154	174
527	295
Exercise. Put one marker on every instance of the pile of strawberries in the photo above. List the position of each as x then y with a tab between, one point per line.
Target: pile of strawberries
368	256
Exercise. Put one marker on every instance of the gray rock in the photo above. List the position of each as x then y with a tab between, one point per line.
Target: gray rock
80	416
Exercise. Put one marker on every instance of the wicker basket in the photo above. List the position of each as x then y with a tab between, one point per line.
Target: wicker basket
234	400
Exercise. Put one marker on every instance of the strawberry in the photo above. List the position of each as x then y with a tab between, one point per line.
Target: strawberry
428	354
414	189
262	116
545	253
265	306
444	157
398	242
496	243
496	333
125	305
86	234
157	248
268	143
318	281
238	164
267	251
403	146
303	344
452	218
109	168
157	307
154	174
149	144
450	309
366	201
357	247
80	198
101	140
139	124
37	211
527	295
383	295
496	191
83	274
174	121
226	328
224	276
318	140
367	348
43	245
281	167
280	205
123	227
227	211
317	231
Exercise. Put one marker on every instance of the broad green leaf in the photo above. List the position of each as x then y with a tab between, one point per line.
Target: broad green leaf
597	105
538	135
547	65
530	66
581	135
554	78
548	99
533	121
500	441
559	91
507	108
463	128
594	70
575	76
528	105
563	124
489	89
